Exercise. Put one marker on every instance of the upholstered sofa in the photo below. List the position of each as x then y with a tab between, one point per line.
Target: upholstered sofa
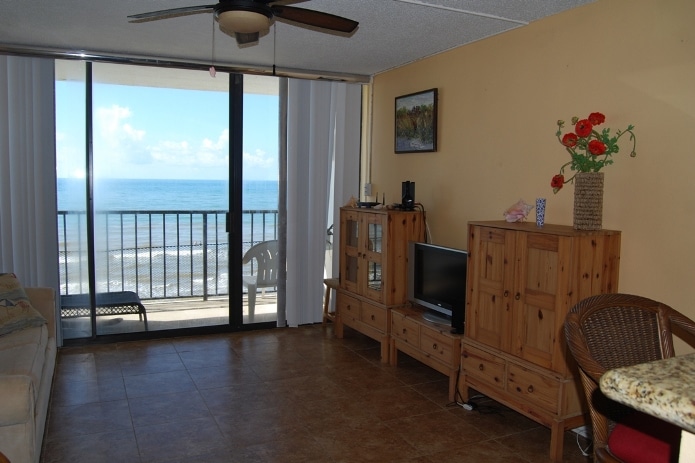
27	363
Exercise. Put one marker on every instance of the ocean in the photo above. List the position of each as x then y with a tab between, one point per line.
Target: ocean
160	238
147	195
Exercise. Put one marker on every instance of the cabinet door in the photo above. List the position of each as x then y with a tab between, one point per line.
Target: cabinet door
490	285
373	245
539	313
405	329
349	247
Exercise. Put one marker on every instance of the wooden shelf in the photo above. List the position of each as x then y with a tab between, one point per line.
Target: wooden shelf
430	343
373	266
522	281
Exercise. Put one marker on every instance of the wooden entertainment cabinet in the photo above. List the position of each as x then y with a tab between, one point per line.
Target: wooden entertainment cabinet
373	269
430	343
522	281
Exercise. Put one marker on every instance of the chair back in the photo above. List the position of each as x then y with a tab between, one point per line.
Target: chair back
612	331
266	256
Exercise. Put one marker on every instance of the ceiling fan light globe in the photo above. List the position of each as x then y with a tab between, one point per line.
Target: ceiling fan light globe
245	22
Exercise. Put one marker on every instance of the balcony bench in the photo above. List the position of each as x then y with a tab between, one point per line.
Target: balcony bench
115	303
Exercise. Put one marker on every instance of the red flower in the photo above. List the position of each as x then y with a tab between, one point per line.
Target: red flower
557	182
583	128
570	139
597	118
597	147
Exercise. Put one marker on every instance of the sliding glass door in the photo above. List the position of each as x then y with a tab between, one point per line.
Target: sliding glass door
260	196
161	189
168	199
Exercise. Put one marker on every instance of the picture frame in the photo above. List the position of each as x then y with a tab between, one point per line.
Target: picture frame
416	122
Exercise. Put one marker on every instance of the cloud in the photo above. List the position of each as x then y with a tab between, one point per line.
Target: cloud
210	153
113	130
127	146
258	159
118	144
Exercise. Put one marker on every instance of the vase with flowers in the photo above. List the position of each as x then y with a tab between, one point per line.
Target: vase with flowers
590	151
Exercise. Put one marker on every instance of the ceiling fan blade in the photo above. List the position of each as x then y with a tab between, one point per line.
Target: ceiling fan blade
163	14
314	18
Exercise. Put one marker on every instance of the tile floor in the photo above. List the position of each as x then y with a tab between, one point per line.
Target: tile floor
284	395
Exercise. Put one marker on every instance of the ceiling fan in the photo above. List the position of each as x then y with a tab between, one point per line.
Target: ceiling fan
245	20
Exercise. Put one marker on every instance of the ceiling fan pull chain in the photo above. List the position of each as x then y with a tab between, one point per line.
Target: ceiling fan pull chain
213	72
275	36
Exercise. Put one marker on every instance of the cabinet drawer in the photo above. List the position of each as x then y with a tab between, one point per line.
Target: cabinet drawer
348	307
376	317
483	366
533	387
438	345
405	329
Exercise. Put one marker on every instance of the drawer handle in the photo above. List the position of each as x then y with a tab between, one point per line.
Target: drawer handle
517	296
481	367
372	317
530	389
506	293
434	346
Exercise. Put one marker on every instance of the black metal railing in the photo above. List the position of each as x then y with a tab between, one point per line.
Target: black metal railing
157	254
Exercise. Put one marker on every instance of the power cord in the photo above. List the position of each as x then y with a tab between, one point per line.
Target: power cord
458	398
585	451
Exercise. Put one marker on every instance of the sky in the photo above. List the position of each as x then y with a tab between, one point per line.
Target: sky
158	133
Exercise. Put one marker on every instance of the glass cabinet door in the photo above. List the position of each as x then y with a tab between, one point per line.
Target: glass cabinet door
373	247
350	235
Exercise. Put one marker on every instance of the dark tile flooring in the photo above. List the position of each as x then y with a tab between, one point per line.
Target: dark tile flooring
284	395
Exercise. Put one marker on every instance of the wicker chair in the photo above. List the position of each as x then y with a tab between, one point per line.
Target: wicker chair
617	330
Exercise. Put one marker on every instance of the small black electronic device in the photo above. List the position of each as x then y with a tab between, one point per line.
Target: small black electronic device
437	283
408	196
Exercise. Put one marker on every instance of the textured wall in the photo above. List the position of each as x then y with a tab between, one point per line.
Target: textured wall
500	98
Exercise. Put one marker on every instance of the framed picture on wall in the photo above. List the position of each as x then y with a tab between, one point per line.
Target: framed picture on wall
416	122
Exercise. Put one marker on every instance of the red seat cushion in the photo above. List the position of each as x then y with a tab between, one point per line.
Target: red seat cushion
644	438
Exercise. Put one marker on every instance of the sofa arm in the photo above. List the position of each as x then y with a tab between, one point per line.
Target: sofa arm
44	300
17	392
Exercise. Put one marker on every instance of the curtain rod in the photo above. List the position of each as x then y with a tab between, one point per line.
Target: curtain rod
192	65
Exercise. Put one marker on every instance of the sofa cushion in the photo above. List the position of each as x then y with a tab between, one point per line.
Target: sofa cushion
16	311
23	353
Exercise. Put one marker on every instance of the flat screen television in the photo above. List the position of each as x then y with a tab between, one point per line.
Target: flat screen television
437	282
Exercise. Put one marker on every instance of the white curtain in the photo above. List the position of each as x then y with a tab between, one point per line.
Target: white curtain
28	227
323	140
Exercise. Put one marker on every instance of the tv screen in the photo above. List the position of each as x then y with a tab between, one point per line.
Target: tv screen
437	282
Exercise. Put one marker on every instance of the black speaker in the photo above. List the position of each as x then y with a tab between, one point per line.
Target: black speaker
408	196
458	315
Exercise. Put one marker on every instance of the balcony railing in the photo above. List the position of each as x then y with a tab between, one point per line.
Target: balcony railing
157	254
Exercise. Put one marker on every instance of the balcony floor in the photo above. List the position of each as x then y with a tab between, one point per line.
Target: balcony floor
168	314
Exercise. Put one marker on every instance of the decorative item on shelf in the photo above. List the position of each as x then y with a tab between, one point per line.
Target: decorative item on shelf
540	212
590	151
517	212
588	201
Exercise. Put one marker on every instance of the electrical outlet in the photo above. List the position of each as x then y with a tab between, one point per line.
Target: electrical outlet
584	431
367	189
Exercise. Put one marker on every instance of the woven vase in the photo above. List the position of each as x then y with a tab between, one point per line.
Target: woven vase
588	200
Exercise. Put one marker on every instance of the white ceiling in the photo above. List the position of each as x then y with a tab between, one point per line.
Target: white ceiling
391	32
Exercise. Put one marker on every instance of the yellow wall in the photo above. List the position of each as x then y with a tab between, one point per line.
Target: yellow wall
499	100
